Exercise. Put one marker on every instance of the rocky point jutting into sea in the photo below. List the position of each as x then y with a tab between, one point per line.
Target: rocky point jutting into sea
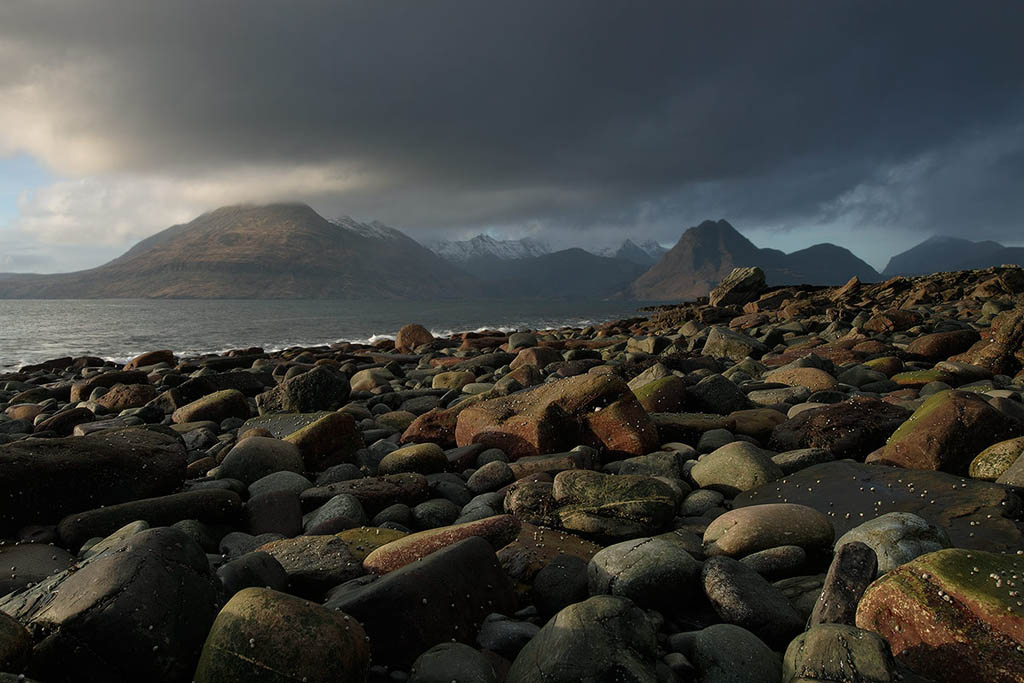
781	484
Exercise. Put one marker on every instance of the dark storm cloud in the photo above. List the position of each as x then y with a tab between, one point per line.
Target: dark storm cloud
569	114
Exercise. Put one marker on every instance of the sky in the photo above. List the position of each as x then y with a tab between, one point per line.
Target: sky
870	124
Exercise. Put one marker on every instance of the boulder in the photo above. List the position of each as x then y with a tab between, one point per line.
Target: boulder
896	538
330	440
739	287
743	597
80	390
320	388
604	638
726	653
442	598
137	612
612	506
144	360
849	429
652	572
123	396
257	456
839	653
747	530
735	467
941	345
499	531
425	458
951	615
995	460
854	566
412	336
214	407
263	636
46	479
725	343
946	433
594	410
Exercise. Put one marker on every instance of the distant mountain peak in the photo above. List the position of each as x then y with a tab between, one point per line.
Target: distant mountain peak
373	230
483	245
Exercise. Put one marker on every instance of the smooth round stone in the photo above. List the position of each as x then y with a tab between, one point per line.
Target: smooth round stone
700	501
734	468
343	511
837	652
793	461
801	407
652	572
726	653
252	570
897	538
399	513
749	529
449	662
474	388
743	597
491	455
435	513
491	477
257	456
289	482
560	583
30	563
505	636
776	562
265	636
425	458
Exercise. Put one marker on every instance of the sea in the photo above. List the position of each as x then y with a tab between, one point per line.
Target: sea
119	329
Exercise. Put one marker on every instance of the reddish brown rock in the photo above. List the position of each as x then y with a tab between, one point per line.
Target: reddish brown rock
411	336
1001	351
64	422
942	345
538	356
499	531
952	615
123	396
946	433
151	358
893	320
80	390
595	410
536	546
812	378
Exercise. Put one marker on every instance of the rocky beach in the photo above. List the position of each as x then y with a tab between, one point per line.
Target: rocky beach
771	484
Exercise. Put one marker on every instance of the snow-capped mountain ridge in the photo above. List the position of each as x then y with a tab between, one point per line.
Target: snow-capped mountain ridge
460	251
374	230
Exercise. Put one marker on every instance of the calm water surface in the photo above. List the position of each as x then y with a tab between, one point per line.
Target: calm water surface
118	329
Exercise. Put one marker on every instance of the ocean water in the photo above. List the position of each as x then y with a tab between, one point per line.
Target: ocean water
119	329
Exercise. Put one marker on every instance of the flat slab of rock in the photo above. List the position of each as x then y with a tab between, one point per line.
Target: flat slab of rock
976	514
45	480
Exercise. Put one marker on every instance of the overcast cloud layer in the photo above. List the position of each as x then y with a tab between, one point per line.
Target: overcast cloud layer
871	124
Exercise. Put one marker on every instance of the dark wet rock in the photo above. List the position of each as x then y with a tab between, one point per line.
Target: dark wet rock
252	570
211	505
314	564
265	636
137	612
80	391
411	609
975	514
604	638
257	456
850	429
741	596
29	563
896	538
274	512
44	480
452	662
652	572
559	584
726	653
612	506
839	652
217	406
854	567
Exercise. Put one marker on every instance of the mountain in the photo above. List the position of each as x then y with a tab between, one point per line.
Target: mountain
566	274
646	253
279	251
705	254
462	251
940	253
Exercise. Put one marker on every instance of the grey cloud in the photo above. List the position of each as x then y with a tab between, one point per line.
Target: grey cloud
573	115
